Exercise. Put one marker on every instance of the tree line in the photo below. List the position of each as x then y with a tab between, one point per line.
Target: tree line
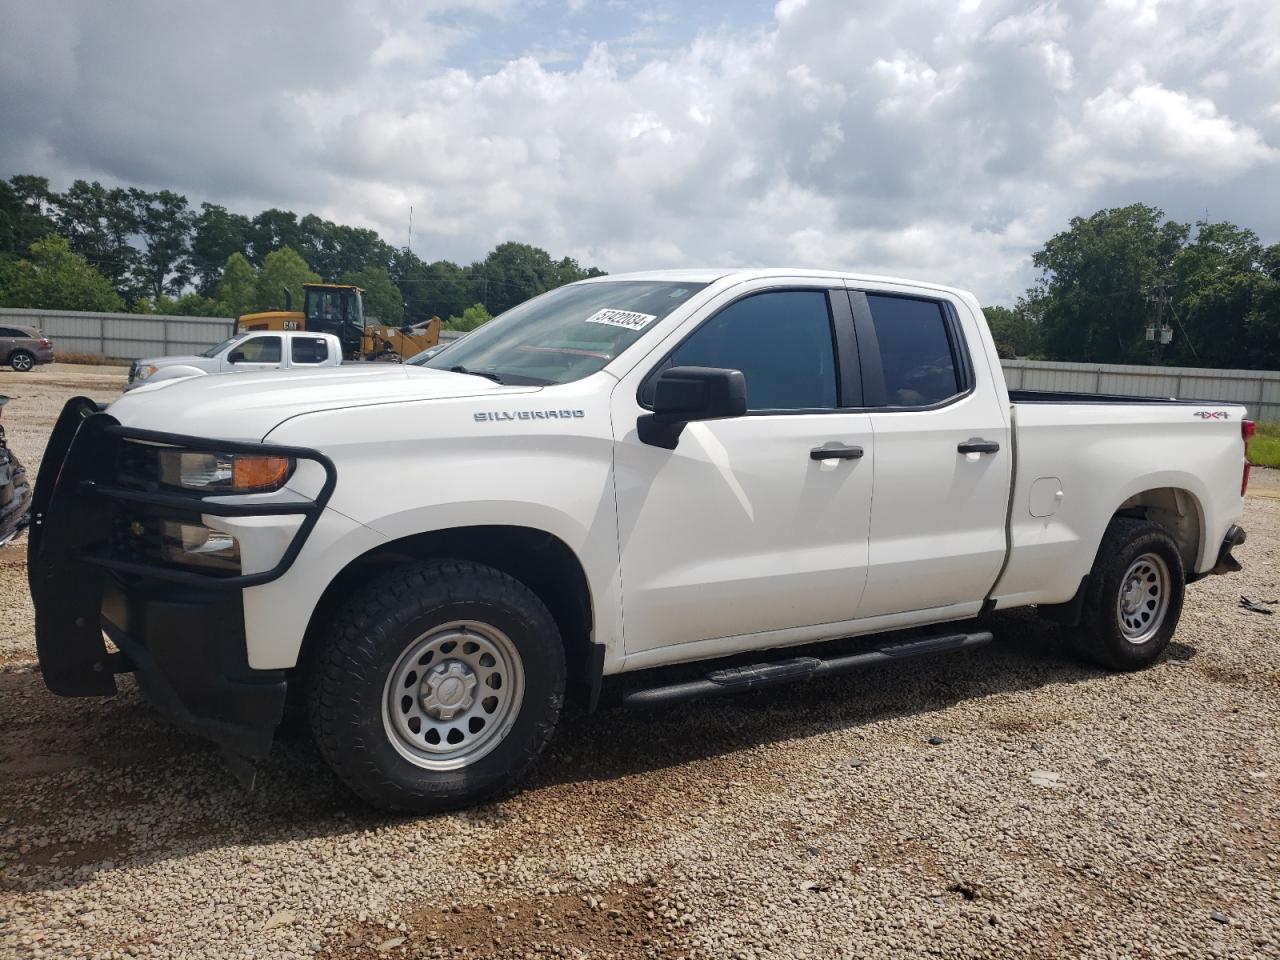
93	247
1109	277
1103	282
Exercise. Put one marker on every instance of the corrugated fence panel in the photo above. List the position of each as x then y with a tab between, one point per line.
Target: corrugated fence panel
124	336
1258	390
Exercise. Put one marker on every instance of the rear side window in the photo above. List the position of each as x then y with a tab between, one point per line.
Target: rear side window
9	332
780	340
309	350
915	351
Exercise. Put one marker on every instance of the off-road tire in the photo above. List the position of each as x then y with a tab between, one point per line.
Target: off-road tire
1100	636
22	361
366	639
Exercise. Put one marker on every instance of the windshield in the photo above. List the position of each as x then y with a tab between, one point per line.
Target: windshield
217	348
566	334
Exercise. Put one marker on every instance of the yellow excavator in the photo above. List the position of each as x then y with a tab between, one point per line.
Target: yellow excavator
338	308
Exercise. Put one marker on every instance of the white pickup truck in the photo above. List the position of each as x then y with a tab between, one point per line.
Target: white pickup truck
242	353
621	475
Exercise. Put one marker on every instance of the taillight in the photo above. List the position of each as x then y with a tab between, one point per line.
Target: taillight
44	341
1247	428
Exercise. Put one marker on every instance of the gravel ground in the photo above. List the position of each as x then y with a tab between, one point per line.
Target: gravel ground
1005	802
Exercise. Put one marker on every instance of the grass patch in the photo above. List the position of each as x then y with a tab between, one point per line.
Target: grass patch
1264	448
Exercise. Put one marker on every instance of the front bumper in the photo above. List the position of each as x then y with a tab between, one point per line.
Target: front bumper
180	630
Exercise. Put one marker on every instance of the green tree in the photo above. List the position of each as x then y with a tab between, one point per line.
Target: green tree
514	272
282	269
439	289
1014	330
98	224
164	223
472	317
238	288
1097	276
381	296
273	230
24	202
55	278
216	235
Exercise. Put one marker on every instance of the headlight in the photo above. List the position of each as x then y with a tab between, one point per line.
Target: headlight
144	372
193	544
224	472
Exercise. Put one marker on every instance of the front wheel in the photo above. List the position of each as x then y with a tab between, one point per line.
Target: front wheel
1134	596
437	687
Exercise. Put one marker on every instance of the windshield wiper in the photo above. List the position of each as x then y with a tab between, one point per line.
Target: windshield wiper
476	373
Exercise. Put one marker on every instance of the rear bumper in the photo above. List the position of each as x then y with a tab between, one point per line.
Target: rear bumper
179	630
1226	562
44	354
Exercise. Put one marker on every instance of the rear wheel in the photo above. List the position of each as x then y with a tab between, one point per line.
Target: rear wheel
1134	596
21	361
437	688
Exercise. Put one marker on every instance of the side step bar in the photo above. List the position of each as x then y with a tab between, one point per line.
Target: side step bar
759	675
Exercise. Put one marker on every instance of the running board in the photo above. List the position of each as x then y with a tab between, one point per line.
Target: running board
759	675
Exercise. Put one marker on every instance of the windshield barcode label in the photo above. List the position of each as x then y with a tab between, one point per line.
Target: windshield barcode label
622	318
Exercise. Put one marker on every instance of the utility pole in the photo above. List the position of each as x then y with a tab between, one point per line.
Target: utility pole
409	248
1160	333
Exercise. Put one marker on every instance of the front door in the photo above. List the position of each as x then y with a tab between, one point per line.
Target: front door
262	352
743	528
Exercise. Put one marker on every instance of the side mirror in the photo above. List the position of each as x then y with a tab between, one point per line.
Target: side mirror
683	395
236	356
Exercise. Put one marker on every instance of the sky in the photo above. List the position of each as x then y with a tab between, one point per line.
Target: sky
938	140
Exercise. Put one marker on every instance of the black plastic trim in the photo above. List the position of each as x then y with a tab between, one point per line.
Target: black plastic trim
1226	562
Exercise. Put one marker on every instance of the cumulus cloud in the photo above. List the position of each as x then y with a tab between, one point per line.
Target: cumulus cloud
924	138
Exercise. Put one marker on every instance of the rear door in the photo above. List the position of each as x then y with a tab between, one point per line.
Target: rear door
8	340
308	351
943	458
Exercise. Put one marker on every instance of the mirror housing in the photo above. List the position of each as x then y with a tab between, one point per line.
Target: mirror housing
235	356
683	395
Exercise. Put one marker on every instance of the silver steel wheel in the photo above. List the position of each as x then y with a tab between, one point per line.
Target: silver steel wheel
1144	598
21	362
453	695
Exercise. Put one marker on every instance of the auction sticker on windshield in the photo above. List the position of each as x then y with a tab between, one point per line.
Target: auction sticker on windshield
622	318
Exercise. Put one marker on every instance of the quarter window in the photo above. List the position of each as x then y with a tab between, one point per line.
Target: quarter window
915	351
780	340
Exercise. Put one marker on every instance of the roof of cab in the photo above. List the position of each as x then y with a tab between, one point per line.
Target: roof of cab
741	274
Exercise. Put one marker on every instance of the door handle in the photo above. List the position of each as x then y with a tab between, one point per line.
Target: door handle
835	453
978	446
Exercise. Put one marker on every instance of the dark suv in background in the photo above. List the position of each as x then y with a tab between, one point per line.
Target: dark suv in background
23	347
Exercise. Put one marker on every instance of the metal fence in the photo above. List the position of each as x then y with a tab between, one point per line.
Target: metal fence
1259	390
123	336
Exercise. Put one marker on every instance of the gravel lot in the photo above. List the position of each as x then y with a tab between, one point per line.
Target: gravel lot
1005	802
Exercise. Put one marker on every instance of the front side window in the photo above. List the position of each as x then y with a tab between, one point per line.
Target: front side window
780	340
915	351
566	334
259	350
309	350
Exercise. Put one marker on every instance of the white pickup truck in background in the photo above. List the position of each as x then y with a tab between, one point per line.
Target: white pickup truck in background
242	353
621	475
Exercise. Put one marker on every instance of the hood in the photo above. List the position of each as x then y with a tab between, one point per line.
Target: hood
248	406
